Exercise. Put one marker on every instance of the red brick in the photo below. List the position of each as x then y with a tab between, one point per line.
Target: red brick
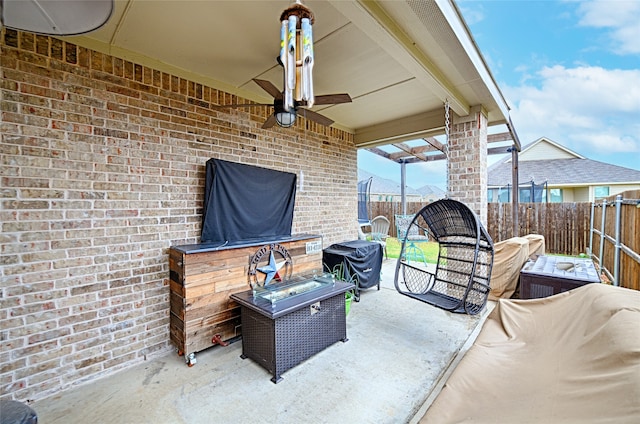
112	200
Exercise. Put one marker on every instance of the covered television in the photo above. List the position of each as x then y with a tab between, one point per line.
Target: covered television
246	203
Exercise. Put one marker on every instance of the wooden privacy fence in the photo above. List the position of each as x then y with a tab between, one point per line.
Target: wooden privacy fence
391	209
615	238
565	226
612	239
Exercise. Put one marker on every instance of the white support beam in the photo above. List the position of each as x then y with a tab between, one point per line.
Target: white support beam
410	128
459	27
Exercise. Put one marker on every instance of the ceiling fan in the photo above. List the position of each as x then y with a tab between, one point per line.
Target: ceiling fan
287	118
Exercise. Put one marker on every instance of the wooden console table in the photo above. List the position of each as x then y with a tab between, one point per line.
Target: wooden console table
202	278
279	335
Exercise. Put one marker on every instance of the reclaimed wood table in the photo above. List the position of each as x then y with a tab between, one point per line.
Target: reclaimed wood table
203	276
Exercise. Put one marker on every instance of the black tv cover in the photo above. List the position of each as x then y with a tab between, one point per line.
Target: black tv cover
244	202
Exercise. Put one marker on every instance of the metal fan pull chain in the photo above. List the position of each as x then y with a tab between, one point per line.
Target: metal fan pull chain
446	132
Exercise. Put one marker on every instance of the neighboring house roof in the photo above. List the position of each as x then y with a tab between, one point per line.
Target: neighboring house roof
545	160
432	191
546	146
381	185
563	172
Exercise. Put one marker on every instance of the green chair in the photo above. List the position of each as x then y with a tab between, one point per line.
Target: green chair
411	251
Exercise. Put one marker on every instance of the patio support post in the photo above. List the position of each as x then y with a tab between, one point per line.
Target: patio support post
591	229
602	232
467	161
515	199
403	184
616	259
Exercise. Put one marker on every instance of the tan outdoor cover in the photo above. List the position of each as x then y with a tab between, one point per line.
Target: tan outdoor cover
569	358
536	244
509	257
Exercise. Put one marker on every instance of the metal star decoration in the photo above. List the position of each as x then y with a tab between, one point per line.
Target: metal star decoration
271	270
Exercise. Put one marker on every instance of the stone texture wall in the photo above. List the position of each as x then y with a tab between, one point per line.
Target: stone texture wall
103	170
468	161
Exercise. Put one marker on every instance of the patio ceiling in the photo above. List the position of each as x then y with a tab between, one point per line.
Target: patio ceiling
399	60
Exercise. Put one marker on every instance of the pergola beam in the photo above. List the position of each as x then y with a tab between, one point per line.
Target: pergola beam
380	152
494	138
416	154
499	150
435	144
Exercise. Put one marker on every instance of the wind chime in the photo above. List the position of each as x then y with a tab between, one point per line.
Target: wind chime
296	56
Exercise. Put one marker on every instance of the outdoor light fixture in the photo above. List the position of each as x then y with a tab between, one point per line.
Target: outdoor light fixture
284	118
296	55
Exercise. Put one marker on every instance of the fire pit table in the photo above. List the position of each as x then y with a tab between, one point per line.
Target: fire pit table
284	324
550	275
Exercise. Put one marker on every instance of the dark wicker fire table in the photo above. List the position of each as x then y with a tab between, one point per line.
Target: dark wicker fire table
286	324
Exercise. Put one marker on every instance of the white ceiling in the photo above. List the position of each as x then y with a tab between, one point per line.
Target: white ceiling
399	60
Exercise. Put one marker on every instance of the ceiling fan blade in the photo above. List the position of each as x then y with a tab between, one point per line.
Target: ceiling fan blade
315	116
269	88
270	122
237	105
328	99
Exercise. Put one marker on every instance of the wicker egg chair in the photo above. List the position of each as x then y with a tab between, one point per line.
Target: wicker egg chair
460	281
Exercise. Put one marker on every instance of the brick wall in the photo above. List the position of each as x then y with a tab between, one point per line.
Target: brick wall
103	170
468	161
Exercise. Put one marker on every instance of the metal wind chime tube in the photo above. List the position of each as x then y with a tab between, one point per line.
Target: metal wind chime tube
296	55
284	30
291	61
307	62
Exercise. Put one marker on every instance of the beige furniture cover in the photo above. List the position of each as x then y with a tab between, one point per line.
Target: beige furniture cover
509	256
569	358
536	245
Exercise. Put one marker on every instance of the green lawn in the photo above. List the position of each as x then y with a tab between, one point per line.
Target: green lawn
429	248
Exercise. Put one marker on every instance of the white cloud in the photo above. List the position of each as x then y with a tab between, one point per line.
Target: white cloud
621	17
591	87
612	142
472	15
431	173
588	109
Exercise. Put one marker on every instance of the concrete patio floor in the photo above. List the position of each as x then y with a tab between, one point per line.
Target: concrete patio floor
388	371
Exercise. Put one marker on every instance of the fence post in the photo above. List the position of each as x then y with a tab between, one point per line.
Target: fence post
616	258
602	233
593	210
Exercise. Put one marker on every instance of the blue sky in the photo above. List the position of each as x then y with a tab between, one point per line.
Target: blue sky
570	71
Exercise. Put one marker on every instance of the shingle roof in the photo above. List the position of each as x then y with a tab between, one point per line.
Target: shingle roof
431	191
562	172
385	186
